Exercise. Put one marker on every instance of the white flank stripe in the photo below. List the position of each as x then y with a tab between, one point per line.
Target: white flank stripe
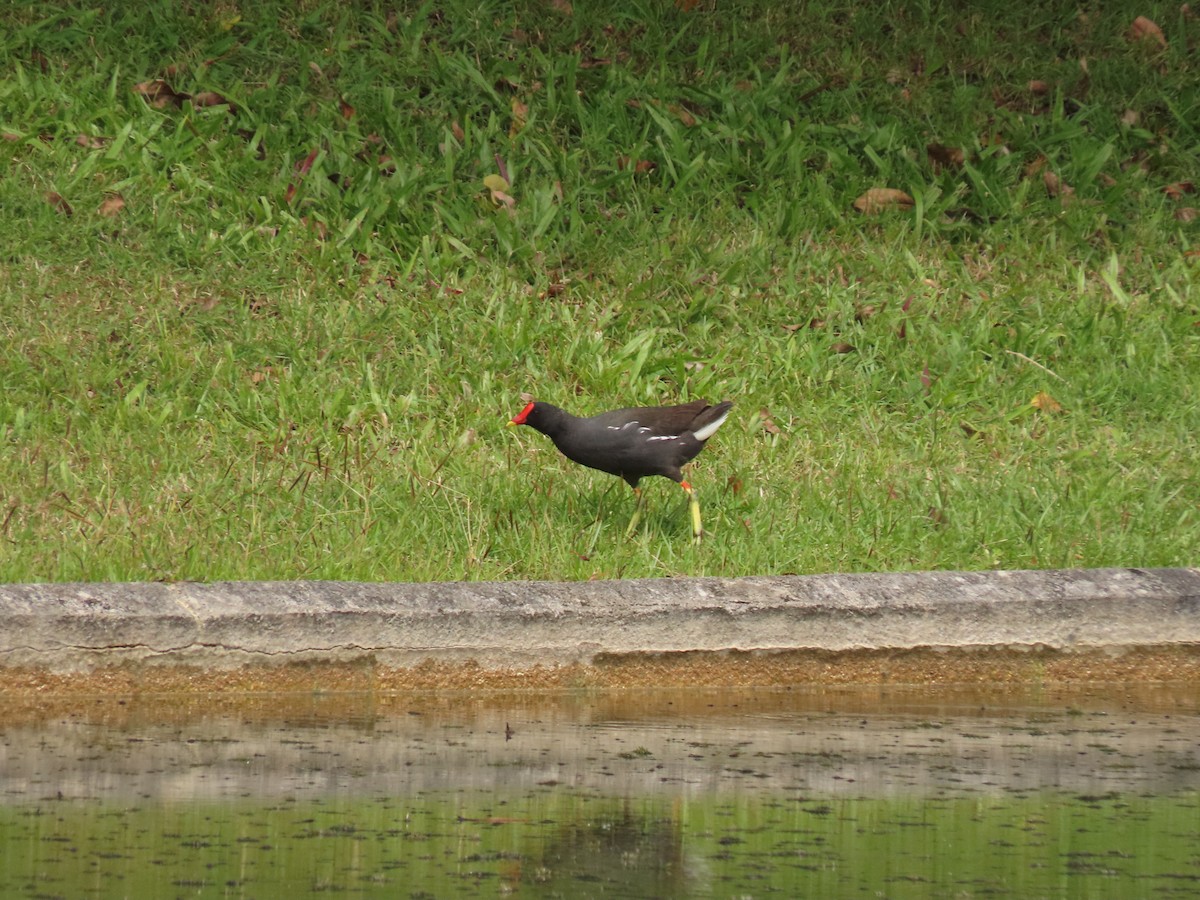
703	434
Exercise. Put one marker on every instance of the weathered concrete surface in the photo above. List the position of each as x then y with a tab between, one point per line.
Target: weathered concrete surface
64	628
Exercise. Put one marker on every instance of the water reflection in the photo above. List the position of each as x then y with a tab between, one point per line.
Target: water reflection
656	794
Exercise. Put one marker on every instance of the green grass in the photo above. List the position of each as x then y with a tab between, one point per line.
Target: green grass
250	371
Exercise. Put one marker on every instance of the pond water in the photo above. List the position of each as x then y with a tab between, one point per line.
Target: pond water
738	793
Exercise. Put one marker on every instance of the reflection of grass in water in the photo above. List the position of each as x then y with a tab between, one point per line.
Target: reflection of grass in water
551	842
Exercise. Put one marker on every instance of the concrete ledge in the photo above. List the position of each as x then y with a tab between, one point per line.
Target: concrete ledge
75	628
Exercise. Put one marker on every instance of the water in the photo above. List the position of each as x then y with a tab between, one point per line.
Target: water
738	793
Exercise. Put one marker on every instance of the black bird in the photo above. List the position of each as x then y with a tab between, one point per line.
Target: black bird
633	443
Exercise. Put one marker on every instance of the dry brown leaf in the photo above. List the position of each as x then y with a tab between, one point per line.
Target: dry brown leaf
768	423
1130	117
1047	404
595	62
1034	166
1186	214
876	200
682	114
1178	189
59	202
210	98
111	205
944	157
1056	187
1038	88
1146	30
457	131
500	198
159	94
562	6
520	115
842	347
345	108
91	142
302	169
639	166
10	136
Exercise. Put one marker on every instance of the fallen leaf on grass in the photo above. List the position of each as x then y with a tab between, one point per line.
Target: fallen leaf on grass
111	205
944	157
302	169
345	109
562	6
768	423
59	202
210	98
159	94
1179	188
639	166
682	114
876	200
1146	30
10	136
1047	404
1186	214
457	131
498	188
520	114
90	142
1056	187
842	347
502	199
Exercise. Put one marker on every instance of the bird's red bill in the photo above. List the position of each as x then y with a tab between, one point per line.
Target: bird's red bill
519	418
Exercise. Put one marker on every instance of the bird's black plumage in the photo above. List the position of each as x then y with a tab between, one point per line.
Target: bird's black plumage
632	443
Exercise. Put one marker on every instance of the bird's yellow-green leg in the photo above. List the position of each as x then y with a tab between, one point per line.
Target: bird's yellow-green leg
637	512
694	507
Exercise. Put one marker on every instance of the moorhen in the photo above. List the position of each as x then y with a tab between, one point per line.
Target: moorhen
633	443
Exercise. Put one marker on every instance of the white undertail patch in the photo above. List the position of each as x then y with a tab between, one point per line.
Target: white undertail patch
703	434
